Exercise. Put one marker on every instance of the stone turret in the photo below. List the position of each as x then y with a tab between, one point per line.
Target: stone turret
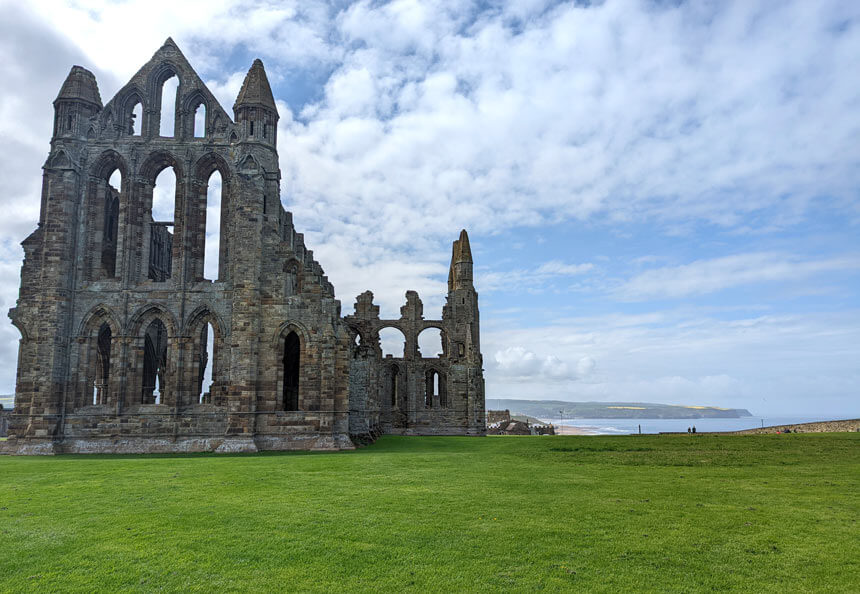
255	109
77	101
462	323
461	311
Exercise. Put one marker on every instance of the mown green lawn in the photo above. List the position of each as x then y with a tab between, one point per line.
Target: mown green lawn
679	513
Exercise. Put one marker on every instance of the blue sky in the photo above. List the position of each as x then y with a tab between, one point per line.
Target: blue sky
663	198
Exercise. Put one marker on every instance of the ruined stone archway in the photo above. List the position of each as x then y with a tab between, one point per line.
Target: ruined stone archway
202	218
152	364
196	357
97	356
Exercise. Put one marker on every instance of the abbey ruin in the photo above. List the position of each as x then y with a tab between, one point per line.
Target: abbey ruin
117	317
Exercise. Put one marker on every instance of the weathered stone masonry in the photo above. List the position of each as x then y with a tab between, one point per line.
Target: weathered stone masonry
114	308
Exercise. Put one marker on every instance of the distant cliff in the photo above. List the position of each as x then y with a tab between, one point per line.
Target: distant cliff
555	409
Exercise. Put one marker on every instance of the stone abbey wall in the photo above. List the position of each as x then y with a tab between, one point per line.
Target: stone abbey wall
114	306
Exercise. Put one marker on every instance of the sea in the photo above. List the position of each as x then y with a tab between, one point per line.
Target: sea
627	426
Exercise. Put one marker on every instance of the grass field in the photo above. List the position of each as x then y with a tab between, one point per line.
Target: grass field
681	513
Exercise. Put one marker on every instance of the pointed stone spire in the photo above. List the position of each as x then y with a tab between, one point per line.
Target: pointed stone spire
455	257
460	272
80	85
256	90
465	250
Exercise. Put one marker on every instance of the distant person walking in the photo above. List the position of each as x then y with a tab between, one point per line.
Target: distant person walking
694	428
688	430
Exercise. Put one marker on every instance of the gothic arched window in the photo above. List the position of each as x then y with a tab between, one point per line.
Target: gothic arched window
292	367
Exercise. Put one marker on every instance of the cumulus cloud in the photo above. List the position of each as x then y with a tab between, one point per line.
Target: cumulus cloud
120	36
519	364
433	116
34	61
621	108
491	119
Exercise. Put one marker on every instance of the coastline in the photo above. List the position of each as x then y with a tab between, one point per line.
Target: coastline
748	425
570	430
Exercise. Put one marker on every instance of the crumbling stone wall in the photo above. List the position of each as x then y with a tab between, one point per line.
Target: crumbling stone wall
4	422
397	394
498	416
511	428
113	308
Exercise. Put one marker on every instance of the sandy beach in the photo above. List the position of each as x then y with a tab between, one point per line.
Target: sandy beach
567	430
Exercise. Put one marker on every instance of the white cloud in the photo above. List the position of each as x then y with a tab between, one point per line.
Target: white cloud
585	366
443	115
621	110
121	36
519	364
518	114
530	280
557	267
707	276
